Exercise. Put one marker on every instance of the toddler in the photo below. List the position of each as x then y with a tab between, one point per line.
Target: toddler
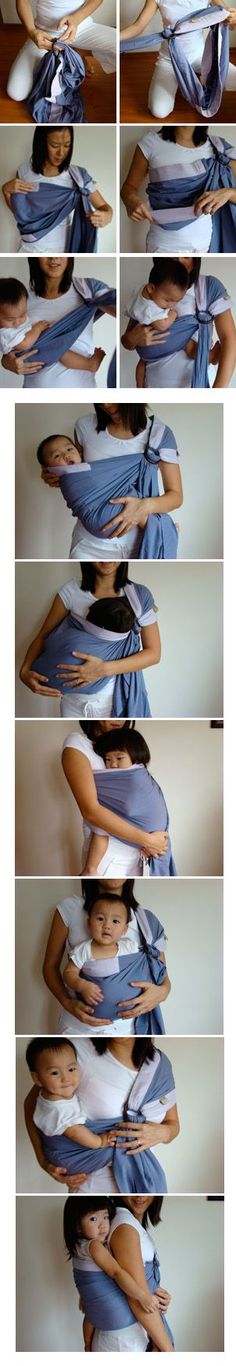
132	749
14	319
87	1226
108	918
152	306
54	1069
112	614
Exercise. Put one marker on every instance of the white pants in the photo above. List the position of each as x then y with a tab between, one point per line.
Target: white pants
163	88
98	38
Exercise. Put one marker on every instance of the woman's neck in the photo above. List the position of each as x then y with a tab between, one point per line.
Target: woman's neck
52	289
184	137
122	1049
105	585
49	170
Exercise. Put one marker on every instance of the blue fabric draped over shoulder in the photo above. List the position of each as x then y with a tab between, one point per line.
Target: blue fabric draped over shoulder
60	336
48	205
55	95
211	298
116	975
88	493
134	795
173	200
75	633
151	1095
203	94
105	1305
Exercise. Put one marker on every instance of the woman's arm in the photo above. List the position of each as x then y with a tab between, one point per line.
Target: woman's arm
71	21
226	332
116	1273
125	1244
136	209
95	668
41	38
143	19
15	186
78	772
136	511
148	1134
53	978
58	1173
102	212
33	680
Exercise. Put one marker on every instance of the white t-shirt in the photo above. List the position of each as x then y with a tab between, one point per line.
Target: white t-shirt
124	1216
175	371
101	703
54	1116
120	859
145	310
173	10
12	336
49	12
102	446
56	240
59	376
105	1085
196	236
83	952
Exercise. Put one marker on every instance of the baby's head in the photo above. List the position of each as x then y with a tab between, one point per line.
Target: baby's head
86	1217
113	614
108	917
168	282
53	1066
57	450
131	749
13	303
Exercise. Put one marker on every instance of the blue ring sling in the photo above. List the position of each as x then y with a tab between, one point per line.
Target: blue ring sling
151	1095
134	795
76	633
55	95
173	200
114	976
60	336
88	494
209	294
47	205
205	98
104	1304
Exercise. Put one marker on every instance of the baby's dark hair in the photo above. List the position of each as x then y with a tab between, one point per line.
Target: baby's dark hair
108	896
168	269
12	291
131	742
38	1046
114	614
43	445
74	1210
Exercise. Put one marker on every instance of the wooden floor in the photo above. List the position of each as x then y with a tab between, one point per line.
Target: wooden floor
99	90
135	80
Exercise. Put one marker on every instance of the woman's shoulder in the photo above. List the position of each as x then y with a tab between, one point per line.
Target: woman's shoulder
71	910
25	171
140	598
124	1216
77	741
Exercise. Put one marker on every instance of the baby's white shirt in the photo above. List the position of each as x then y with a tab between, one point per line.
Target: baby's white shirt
54	1116
83	953
144	310
12	336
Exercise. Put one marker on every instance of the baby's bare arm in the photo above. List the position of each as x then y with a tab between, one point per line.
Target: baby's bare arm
32	336
163	324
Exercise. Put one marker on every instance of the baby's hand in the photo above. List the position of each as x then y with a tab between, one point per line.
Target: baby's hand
190	349
96	360
106	1141
38	328
90	992
140	374
147	1301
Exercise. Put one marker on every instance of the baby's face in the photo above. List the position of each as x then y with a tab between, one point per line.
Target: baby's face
108	922
13	315
58	1073
118	758
167	295
96	1224
61	451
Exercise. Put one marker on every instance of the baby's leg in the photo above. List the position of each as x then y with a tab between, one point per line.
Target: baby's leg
99	39
20	79
97	849
190	349
88	1331
140	374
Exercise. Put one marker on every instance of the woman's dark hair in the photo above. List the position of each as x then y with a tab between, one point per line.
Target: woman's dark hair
38	1046
153	1214
91	729
88	576
40	149
200	134
134	417
90	888
113	614
169	269
74	1209
133	743
143	1050
37	278
193	274
108	896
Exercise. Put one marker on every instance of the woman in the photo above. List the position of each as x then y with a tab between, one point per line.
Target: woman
126	1326
69	927
179	176
108	1072
119	430
71	604
164	83
78	29
176	369
53	295
80	765
50	165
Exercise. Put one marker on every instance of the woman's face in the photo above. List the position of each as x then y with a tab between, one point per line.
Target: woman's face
111	884
53	267
106	568
106	725
96	1224
138	1204
187	261
58	146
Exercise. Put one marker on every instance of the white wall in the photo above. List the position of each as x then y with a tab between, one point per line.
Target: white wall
97	153
189	1241
134	275
189	601
104	329
133	235
43	523
191	913
193	1163
129	10
106	14
186	759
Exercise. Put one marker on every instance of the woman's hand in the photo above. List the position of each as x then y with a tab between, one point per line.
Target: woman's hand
163	1299
76	676
140	1136
38	683
212	201
151	997
134	513
21	367
41	39
58	1173
99	217
144	334
156	844
83	1012
50	477
18	186
140	212
70	24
